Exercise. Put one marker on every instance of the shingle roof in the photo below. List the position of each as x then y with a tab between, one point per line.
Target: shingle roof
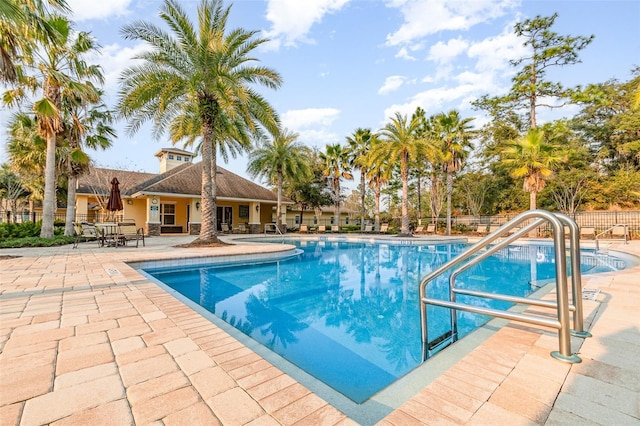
185	179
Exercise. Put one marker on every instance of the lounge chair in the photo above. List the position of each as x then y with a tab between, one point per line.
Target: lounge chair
493	228
303	229
587	231
482	229
335	228
620	232
384	228
431	228
419	230
88	232
322	228
127	231
368	228
224	227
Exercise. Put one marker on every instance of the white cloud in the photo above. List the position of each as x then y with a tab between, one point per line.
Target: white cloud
431	100
318	138
446	52
310	117
403	53
291	20
84	10
493	53
391	84
114	58
425	17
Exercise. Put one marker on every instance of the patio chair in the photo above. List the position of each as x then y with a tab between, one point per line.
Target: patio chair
587	231
368	229
493	228
335	228
224	227
482	229
303	228
127	231
87	231
384	228
620	232
322	229
419	230
431	228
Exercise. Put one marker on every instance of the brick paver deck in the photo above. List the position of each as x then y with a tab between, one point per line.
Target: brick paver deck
85	339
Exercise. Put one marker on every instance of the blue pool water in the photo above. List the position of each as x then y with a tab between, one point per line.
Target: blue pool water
348	312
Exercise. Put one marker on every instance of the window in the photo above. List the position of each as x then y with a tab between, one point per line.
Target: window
170	156
332	220
315	220
168	214
186	159
297	219
347	219
243	212
179	157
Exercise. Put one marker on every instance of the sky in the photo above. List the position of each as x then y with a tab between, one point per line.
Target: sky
347	64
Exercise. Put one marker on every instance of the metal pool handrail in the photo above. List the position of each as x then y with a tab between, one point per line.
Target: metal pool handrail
626	234
562	296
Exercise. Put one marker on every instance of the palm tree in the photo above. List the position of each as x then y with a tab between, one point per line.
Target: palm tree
533	158
282	159
456	135
359	145
335	167
87	123
62	71
23	24
399	145
378	174
199	84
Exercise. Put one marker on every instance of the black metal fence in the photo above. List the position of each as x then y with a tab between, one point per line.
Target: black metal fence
25	216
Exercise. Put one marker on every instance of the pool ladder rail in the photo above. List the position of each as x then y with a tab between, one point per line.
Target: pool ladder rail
557	221
615	232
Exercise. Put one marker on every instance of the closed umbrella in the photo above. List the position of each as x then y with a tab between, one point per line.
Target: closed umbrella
115	202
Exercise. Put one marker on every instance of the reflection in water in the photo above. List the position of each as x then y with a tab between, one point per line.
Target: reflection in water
348	313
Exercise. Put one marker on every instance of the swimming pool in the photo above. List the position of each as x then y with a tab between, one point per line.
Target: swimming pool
347	312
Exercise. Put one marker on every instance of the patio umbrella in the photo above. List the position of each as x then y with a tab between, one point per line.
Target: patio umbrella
115	202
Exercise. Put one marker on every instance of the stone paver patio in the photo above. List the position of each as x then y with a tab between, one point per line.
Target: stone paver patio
86	339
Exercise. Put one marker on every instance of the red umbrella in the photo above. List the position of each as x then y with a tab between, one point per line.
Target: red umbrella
115	202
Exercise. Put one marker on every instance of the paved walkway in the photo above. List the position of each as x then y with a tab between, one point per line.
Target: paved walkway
86	339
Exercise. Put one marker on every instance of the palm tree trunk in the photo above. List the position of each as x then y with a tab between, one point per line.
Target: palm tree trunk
377	218
49	202
279	205
532	200
337	194
449	192
71	204
208	222
362	189
404	229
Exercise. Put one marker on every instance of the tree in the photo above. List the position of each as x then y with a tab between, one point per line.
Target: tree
455	134
281	159
12	189
23	24
61	72
530	88
199	84
359	145
87	122
400	146
474	187
532	158
336	166
379	173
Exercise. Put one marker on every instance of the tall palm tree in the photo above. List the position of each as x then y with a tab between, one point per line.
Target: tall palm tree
199	84
87	123
455	134
23	24
336	166
61	70
379	173
533	158
284	158
359	146
399	145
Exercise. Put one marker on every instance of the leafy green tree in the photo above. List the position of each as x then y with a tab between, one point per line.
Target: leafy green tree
532	158
359	146
399	145
61	70
11	188
200	85
379	173
284	158
336	166
455	133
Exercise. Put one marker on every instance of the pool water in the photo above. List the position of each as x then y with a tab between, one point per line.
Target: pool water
348	312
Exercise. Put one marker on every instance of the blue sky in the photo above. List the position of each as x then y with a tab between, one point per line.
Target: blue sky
354	63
